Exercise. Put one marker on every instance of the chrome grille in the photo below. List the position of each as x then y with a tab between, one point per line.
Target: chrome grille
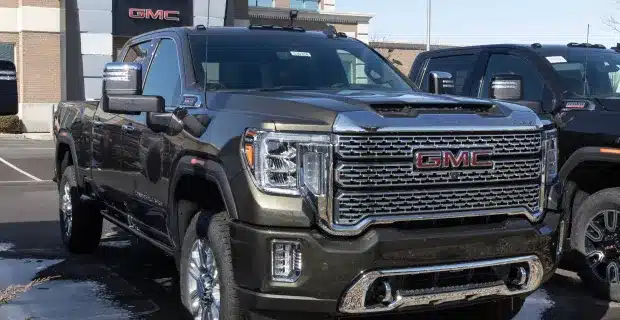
352	207
374	176
402	146
403	174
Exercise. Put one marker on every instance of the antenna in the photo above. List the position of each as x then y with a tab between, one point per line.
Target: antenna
207	49
293	15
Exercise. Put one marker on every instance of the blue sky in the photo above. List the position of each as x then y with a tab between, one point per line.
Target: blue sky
489	21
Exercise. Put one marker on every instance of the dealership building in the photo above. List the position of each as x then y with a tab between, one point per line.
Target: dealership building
59	47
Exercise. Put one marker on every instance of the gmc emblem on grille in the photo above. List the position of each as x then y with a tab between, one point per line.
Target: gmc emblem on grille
168	15
445	159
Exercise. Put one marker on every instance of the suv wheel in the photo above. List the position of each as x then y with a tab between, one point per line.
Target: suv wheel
206	273
80	223
596	238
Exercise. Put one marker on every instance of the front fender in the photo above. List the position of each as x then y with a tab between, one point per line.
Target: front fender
586	154
211	171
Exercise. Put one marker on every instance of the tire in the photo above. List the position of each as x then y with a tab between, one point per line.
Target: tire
216	228
594	208
81	232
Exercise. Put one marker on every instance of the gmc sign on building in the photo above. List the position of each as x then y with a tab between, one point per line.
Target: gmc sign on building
133	17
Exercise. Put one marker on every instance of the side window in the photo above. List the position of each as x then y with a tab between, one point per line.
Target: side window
164	77
460	67
533	84
138	53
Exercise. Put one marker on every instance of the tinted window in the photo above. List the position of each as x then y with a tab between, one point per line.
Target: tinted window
533	85
164	76
460	67
264	61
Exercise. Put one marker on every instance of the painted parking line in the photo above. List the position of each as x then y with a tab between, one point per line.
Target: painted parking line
20	170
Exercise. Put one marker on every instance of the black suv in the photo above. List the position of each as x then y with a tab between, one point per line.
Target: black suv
293	172
577	86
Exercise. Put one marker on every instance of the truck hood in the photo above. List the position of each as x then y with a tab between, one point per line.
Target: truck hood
355	110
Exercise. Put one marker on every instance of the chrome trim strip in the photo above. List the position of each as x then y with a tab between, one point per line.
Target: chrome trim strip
360	227
370	122
353	300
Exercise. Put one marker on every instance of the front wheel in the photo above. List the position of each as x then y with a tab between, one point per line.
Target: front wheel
596	239
206	274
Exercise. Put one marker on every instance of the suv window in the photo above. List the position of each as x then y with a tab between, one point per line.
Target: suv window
460	67
533	84
164	77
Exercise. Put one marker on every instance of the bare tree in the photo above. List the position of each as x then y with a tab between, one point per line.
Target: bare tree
612	22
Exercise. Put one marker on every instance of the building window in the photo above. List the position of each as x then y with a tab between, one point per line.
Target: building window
7	52
261	3
305	4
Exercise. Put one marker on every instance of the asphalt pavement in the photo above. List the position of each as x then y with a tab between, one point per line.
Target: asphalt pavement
129	279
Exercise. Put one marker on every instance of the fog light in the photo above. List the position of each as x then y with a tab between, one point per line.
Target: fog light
285	260
561	238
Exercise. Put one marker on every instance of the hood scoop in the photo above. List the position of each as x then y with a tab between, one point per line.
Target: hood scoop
413	109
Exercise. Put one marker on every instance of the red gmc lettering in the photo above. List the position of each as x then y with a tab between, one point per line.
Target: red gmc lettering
475	162
447	159
427	160
168	15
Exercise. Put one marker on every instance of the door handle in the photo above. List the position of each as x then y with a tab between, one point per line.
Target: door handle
128	127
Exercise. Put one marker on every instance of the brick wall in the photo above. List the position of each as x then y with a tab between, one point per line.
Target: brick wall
404	56
39	61
404	53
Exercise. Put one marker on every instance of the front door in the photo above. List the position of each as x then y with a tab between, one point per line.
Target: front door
106	167
149	150
536	94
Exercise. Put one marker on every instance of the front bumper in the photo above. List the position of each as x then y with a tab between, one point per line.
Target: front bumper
331	265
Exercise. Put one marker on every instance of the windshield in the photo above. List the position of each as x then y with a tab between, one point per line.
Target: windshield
589	72
290	62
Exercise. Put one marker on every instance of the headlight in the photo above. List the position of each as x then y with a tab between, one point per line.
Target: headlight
550	156
288	163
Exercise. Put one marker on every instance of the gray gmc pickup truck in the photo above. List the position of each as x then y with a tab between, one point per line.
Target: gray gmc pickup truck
298	173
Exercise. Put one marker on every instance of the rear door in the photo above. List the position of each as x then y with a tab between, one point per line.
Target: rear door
147	161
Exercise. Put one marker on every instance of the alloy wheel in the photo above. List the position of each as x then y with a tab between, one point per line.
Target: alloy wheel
66	208
203	282
602	244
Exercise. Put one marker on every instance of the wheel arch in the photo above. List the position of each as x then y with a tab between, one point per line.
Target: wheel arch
210	189
589	169
64	145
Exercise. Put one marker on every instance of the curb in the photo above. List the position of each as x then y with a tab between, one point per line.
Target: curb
26	136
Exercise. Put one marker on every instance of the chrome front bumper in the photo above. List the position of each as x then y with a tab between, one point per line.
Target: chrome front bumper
354	299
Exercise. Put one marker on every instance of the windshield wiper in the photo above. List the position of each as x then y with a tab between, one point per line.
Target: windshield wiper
283	88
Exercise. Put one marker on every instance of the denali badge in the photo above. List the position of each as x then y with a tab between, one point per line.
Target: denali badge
443	159
169	15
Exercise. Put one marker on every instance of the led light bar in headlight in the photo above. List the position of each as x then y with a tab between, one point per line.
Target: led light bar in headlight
550	155
288	163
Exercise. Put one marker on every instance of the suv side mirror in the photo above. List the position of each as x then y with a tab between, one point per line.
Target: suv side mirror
440	82
8	88
122	78
506	87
